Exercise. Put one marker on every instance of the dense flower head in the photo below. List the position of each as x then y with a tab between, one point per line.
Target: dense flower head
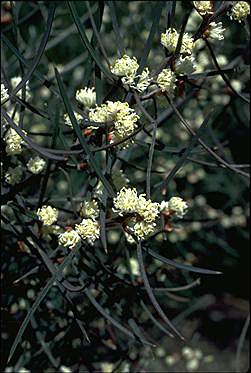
89	209
13	142
88	230
169	40
123	117
240	10
166	81
126	68
4	93
203	7
215	31
15	81
47	214
175	205
87	96
14	175
185	65
67	120
69	239
36	165
144	212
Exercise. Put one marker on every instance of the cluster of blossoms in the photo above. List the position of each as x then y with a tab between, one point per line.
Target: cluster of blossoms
215	31
123	118
240	11
87	97
36	165
14	175
126	68
175	206
88	229
203	7
169	40
4	93
47	214
139	212
13	142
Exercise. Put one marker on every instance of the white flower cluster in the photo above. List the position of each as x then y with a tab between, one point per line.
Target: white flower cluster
169	40
126	68
143	212
89	230
15	81
185	65
123	117
36	165
69	239
215	31
78	117
4	93
87	97
176	205
13	142
47	214
89	209
166	81
240	11
14	175
203	7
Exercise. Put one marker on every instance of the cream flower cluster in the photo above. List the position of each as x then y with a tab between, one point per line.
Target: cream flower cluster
185	65
89	209
215	31
87	97
143	212
14	175
36	165
15	81
4	93
240	11
175	205
47	214
89	230
169	40
203	7
126	68
13	142
123	117
69	239
78	117
166	81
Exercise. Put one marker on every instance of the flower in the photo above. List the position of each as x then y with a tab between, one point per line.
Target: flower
47	214
203	7
67	120
144	212
69	239
215	31
86	96
88	230
240	11
14	175
36	165
134	267
169	40
126	201
15	81
166	81
185	65
125	66
89	209
13	142
176	205
4	93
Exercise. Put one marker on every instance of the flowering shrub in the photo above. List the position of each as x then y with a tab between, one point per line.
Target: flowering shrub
110	161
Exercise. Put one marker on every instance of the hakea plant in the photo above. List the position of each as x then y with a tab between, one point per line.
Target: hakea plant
99	133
